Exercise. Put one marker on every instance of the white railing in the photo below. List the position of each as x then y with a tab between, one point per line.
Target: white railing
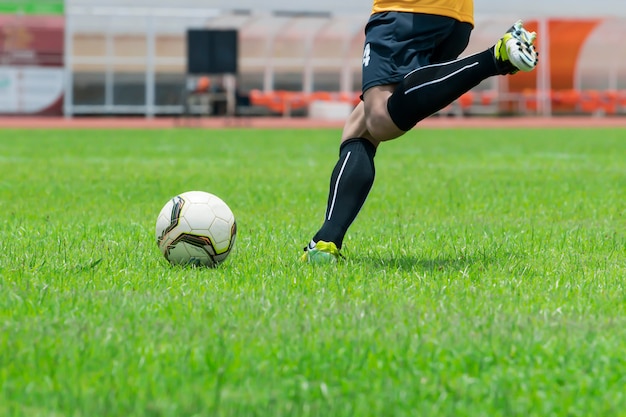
296	52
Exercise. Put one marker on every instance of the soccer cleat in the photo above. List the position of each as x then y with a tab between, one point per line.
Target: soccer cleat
515	51
322	253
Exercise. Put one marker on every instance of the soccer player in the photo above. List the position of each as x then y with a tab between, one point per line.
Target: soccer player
411	70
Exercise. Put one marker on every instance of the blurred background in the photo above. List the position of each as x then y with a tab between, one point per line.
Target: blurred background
280	58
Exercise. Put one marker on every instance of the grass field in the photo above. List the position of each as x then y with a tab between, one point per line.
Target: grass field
484	277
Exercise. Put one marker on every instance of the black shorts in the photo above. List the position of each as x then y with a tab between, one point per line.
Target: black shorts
397	43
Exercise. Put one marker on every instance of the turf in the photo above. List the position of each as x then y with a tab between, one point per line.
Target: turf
484	277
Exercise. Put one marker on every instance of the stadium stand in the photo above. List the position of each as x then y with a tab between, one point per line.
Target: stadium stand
122	59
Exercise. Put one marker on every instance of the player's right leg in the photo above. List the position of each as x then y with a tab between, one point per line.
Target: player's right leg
377	120
515	51
430	88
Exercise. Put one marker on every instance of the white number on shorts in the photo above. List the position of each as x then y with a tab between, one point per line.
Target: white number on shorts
366	55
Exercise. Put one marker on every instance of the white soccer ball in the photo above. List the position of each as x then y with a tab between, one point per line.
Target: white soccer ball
196	228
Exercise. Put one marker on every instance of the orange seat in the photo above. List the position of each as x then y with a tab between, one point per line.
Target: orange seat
268	99
321	96
565	97
565	100
259	98
598	102
203	85
284	102
276	102
292	100
488	97
611	101
353	98
466	100
621	99
529	98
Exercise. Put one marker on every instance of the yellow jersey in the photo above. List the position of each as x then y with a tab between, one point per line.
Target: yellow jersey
462	10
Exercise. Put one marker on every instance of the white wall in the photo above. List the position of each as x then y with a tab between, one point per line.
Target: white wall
528	8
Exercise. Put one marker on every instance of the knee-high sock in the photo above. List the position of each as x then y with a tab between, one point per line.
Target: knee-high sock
431	88
350	183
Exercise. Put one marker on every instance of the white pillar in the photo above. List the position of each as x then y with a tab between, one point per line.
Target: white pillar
108	74
150	68
543	74
68	65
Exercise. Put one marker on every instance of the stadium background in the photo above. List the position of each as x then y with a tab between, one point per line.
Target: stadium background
81	57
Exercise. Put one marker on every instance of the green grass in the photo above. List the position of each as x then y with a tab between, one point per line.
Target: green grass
35	7
485	277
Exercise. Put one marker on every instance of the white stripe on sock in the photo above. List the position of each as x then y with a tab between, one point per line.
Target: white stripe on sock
417	87
332	204
441	64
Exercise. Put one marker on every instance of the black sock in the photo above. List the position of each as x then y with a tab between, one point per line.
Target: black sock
431	88
350	184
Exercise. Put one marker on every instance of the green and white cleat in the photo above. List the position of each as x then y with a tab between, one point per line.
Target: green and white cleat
515	51
321	253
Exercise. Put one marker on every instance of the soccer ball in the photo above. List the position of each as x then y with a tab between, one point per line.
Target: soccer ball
196	228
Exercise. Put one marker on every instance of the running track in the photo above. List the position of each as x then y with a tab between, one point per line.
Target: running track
297	123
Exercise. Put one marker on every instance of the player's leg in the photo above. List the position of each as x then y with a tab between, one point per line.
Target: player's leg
350	183
438	77
428	89
388	111
377	119
396	44
353	174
